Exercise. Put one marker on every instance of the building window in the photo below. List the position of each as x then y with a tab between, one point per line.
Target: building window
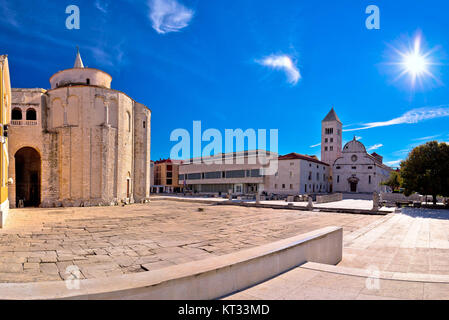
325	140
169	167
332	140
291	174
292	163
325	148
275	186
338	167
144	124
16	114
369	179
291	186
370	167
88	81
317	176
169	181
329	130
310	175
283	186
354	168
305	188
331	148
338	179
31	114
128	116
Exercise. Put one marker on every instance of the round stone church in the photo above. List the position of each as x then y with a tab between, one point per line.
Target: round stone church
79	143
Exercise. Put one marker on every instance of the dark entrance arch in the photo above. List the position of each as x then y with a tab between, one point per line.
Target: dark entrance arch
28	177
353	181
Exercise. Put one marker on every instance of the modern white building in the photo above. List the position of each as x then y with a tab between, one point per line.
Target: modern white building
356	171
239	172
290	174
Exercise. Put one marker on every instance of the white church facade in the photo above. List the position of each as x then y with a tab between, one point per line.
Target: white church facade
357	171
353	169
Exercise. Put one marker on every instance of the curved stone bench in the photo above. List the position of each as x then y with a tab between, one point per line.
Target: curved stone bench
211	278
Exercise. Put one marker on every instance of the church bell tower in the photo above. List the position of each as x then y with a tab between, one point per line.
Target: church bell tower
331	138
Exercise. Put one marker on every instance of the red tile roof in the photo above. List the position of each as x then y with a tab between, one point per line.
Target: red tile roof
294	155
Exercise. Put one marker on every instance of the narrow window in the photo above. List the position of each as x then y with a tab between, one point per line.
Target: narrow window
88	81
369	179
144	124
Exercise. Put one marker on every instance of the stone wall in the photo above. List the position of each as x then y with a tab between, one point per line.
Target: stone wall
329	198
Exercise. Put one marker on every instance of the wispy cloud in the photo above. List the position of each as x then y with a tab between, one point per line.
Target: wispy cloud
8	14
284	63
393	163
412	116
315	145
102	5
427	138
375	147
169	15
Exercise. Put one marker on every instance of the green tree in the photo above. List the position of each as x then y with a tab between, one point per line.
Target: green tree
394	181
426	170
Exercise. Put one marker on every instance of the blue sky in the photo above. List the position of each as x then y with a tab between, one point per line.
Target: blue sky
250	64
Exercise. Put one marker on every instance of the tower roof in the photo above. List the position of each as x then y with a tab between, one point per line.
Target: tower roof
78	60
331	116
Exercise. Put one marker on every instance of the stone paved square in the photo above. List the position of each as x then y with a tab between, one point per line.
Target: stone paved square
39	244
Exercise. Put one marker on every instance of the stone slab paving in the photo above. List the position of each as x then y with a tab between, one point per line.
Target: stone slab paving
414	244
415	241
44	244
304	284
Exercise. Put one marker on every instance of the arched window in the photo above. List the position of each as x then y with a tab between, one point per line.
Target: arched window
31	114
16	114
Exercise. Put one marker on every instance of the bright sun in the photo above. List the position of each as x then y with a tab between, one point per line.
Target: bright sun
415	63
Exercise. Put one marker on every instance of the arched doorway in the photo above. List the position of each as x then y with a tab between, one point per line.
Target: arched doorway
28	177
353	181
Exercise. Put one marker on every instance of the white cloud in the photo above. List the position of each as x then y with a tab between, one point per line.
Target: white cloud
284	63
102	5
8	14
412	116
393	163
315	145
375	147
427	138
169	15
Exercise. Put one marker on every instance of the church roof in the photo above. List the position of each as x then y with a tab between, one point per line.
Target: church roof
295	156
78	60
331	116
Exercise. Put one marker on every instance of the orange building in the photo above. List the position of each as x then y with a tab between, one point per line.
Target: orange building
166	176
